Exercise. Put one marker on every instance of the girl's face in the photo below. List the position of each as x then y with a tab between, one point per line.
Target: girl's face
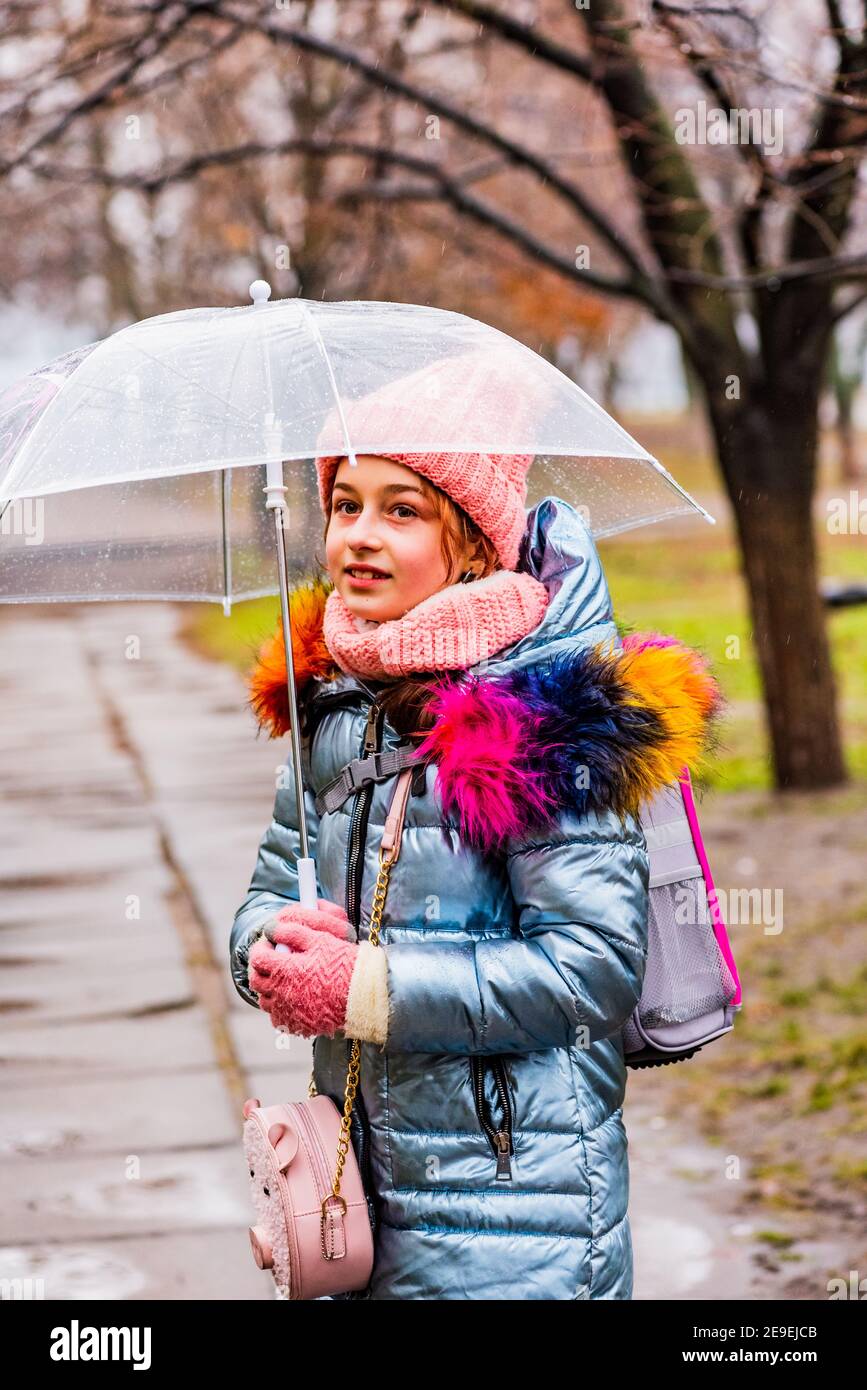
381	517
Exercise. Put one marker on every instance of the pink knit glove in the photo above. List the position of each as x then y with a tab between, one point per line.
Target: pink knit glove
325	916
305	988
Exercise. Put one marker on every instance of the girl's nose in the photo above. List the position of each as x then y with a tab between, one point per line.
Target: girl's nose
362	532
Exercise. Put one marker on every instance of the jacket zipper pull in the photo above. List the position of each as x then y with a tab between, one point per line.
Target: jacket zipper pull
370	730
504	1166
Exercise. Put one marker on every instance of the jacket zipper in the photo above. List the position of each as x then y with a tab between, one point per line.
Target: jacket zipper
364	1159
499	1139
360	811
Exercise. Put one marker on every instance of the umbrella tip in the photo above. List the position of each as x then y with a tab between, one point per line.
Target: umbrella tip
260	291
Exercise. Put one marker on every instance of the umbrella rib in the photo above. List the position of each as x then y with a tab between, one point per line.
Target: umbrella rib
96	389
328	367
661	468
15	471
163	363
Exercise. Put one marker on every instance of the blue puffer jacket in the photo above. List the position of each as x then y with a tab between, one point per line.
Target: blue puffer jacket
510	977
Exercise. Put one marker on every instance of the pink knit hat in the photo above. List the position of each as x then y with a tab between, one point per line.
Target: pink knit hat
469	392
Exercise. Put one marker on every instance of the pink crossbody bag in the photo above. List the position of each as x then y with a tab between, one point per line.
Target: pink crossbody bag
313	1230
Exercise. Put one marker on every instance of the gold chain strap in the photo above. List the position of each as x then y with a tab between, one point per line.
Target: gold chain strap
379	893
386	859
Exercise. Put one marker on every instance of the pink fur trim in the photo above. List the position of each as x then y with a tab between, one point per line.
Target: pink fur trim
479	744
637	641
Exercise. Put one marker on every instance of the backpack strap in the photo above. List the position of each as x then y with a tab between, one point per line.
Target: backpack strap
373	767
668	833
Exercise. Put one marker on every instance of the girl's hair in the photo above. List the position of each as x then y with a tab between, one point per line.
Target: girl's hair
405	699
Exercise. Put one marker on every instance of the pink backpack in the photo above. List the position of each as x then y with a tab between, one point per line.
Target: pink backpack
691	988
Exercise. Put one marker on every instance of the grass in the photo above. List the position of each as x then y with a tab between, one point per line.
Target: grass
237	638
792	1077
776	1238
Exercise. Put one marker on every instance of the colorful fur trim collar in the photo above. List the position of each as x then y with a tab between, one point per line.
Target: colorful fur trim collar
587	730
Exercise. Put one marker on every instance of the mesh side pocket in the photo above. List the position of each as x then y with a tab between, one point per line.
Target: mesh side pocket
687	976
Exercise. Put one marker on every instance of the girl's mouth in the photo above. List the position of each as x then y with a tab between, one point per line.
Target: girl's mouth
363	579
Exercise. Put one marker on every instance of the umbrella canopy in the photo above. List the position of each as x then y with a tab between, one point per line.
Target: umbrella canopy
165	461
135	467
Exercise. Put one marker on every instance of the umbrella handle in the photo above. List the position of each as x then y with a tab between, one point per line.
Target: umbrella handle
307	882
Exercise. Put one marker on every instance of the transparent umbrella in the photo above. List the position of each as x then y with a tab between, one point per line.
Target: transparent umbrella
144	465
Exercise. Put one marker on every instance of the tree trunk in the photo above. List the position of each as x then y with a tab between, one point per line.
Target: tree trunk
770	487
850	468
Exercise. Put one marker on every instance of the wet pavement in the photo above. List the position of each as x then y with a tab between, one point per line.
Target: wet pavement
133	794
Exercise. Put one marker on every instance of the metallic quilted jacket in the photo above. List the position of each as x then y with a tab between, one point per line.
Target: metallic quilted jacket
489	1129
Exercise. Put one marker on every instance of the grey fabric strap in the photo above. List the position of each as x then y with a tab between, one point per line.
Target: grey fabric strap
374	767
671	833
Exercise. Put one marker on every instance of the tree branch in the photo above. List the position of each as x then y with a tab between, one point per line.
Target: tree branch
749	225
677	221
446	189
526	36
147	46
835	128
840	312
837	268
517	154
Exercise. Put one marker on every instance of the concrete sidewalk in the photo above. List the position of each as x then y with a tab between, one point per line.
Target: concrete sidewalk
134	795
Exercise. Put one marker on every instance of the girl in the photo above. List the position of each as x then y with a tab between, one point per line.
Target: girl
514	937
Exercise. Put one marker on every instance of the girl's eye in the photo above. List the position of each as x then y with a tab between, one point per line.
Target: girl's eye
400	506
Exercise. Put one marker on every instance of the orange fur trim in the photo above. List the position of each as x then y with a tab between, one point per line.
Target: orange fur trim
266	682
676	683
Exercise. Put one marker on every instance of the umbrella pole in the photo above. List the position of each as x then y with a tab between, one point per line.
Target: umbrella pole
276	499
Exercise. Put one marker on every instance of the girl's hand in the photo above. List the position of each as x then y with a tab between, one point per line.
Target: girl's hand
303	988
326	916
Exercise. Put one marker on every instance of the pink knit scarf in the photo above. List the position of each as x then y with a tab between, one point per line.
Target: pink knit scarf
454	628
